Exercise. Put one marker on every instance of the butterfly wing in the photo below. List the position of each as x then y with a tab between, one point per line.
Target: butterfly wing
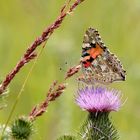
98	64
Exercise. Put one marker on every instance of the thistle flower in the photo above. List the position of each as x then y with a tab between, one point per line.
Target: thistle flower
98	99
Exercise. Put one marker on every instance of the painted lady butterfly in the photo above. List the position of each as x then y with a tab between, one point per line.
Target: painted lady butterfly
97	62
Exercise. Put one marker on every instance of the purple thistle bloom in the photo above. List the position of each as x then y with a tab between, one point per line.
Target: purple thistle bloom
98	99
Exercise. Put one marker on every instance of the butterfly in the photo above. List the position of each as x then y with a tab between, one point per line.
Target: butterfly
98	64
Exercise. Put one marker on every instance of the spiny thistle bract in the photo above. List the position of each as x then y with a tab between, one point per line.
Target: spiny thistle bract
21	129
67	137
98	127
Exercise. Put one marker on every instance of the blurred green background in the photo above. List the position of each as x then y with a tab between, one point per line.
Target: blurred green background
21	21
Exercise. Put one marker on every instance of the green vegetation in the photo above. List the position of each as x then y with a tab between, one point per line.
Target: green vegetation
22	21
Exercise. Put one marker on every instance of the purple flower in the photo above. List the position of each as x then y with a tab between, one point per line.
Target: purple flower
98	99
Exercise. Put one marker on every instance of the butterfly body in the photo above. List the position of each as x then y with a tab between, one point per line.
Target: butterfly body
98	64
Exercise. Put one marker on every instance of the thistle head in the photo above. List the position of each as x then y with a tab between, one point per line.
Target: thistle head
22	128
98	99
